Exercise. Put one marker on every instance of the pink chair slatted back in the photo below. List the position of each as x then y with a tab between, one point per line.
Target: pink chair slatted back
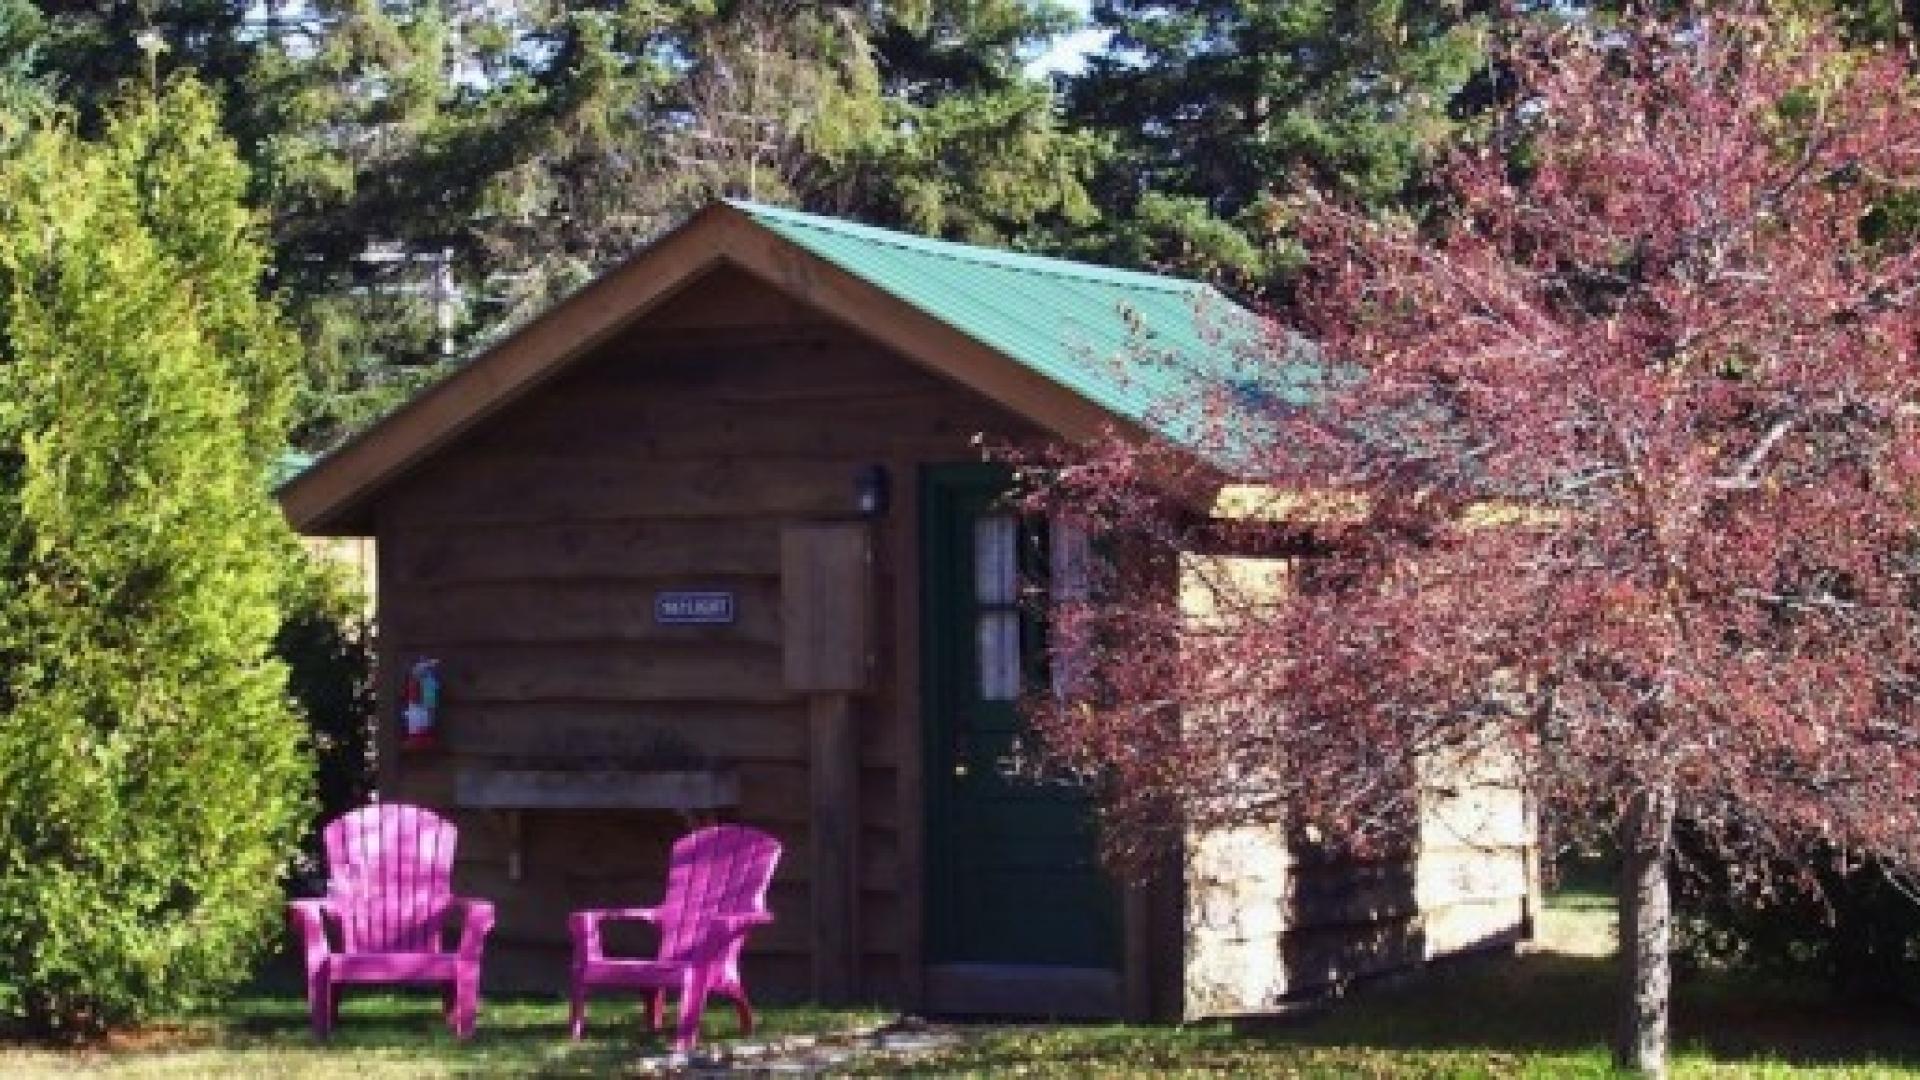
724	870
390	875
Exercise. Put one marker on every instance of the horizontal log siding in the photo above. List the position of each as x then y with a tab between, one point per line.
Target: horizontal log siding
527	557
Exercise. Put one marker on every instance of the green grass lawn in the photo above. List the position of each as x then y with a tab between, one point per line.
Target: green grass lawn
1547	1013
1541	1015
398	1035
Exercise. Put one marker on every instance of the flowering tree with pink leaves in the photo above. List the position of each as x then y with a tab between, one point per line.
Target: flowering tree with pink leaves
1609	470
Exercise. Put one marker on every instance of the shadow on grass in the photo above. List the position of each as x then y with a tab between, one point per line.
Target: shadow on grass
268	1030
1549	1004
1540	1014
513	1035
264	1031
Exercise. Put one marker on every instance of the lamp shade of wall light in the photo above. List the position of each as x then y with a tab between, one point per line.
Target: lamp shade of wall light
870	491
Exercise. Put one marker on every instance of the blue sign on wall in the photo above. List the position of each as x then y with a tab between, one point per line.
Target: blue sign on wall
693	608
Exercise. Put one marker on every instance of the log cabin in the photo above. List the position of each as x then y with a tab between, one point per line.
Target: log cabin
714	538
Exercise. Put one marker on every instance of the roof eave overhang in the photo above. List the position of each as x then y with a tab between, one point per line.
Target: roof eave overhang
335	494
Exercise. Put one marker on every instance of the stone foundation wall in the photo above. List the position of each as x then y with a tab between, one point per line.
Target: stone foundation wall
1263	925
1235	920
1477	871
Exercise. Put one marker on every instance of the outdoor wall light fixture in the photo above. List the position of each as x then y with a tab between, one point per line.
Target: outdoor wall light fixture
870	491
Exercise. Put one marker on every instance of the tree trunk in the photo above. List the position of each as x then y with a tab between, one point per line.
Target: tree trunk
1646	934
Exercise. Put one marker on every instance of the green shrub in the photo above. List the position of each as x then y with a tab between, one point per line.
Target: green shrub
153	777
327	646
1845	925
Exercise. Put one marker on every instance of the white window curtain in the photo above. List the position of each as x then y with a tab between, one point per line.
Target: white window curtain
996	582
1070	567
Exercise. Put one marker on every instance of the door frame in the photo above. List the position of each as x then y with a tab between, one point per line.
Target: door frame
987	988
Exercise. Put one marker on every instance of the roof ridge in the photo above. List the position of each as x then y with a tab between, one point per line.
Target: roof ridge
976	253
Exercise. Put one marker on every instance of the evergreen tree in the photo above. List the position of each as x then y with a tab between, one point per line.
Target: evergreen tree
436	171
1223	108
440	172
22	90
152	778
972	147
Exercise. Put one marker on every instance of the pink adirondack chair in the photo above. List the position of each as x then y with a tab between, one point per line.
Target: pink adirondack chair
716	892
389	898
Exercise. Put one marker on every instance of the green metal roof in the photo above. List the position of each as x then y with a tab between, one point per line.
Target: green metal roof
1148	348
1154	350
289	464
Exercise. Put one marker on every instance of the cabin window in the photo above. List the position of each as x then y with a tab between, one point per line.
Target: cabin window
1069	566
996	585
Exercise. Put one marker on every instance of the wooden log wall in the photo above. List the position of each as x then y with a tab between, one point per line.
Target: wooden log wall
527	556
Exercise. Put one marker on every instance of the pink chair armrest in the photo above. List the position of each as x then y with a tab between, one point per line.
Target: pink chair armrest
740	922
584	927
737	924
311	917
476	921
615	914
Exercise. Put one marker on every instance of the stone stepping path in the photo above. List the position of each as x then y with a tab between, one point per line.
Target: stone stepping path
897	1042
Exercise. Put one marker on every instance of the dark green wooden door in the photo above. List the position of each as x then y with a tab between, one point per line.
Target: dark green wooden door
1013	874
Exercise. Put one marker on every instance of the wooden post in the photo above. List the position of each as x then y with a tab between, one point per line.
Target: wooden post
835	773
903	552
826	591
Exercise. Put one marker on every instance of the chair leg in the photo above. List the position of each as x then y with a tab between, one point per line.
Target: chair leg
693	1002
466	1006
744	1009
322	1003
656	1010
577	1019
